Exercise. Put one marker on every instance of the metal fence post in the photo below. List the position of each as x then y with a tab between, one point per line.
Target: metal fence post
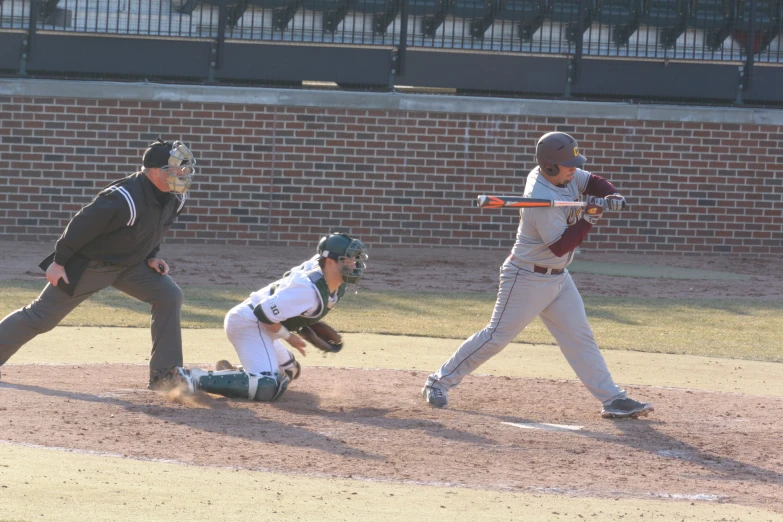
750	49
27	42
216	49
574	63
398	59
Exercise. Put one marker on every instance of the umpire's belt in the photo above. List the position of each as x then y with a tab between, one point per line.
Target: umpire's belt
538	269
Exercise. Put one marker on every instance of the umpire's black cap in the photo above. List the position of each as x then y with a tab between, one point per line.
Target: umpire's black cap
157	154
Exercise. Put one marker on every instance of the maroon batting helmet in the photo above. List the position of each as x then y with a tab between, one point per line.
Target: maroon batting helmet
557	148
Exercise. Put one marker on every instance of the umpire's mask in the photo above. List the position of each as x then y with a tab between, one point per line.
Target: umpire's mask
180	169
175	160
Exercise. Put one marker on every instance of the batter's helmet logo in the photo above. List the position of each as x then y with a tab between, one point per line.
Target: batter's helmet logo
593	210
576	151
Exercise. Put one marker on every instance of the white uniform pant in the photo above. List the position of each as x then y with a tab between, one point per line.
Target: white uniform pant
257	351
523	295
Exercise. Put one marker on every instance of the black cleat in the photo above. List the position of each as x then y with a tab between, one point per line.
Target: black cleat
161	379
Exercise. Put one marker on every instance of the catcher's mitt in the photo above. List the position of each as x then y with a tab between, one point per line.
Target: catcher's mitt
323	337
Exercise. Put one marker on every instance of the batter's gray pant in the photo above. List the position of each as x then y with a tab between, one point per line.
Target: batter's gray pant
523	295
139	281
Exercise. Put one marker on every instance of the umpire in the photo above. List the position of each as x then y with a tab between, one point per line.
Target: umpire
114	241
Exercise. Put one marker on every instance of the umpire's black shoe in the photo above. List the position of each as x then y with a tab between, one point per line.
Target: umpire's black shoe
162	379
625	409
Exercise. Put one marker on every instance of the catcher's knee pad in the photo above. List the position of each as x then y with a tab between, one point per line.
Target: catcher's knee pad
291	367
268	387
293	371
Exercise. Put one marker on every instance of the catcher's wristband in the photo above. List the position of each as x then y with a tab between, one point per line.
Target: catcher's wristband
283	333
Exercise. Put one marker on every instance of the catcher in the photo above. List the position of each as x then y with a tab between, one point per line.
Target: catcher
282	311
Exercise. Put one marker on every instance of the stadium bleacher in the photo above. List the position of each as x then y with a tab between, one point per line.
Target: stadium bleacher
670	17
529	15
756	28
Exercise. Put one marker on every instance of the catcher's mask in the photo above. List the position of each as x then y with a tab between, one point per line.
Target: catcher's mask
557	148
175	160
341	247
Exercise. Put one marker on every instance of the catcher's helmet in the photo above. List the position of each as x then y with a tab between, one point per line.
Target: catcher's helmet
175	159
341	246
557	148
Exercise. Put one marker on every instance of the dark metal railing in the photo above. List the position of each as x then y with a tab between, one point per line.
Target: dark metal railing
727	32
722	30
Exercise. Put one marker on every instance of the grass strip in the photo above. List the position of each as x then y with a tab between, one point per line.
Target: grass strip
739	329
86	488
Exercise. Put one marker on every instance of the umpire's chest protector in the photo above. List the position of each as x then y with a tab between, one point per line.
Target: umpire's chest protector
147	224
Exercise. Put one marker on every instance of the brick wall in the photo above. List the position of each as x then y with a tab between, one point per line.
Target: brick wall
278	173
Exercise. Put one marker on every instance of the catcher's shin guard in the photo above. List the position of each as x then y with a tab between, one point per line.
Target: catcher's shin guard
270	388
229	383
283	380
240	384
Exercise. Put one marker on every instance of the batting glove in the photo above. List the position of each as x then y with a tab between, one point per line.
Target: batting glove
614	202
593	210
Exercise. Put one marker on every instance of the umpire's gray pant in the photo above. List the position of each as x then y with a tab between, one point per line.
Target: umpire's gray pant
139	281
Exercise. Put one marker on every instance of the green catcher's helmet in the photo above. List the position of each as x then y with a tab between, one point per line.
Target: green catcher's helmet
341	246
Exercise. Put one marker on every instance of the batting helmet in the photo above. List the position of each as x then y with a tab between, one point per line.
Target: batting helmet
557	148
339	246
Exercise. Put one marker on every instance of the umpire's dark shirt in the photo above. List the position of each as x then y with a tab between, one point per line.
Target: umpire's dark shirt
123	225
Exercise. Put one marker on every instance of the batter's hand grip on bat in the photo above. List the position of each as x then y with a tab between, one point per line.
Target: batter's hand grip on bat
615	202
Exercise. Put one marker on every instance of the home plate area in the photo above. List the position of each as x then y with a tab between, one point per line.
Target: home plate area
498	432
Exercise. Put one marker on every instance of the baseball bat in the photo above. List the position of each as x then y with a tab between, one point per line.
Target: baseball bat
520	202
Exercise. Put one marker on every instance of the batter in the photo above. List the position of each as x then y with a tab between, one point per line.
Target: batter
258	325
534	280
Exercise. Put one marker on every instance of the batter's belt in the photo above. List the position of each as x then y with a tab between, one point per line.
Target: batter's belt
538	269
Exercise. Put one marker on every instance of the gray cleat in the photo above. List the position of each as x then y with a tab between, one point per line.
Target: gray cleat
626	409
435	395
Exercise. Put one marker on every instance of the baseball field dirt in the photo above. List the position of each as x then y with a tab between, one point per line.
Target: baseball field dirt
501	433
457	270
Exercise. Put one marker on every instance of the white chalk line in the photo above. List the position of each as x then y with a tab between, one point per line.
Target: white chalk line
543	426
